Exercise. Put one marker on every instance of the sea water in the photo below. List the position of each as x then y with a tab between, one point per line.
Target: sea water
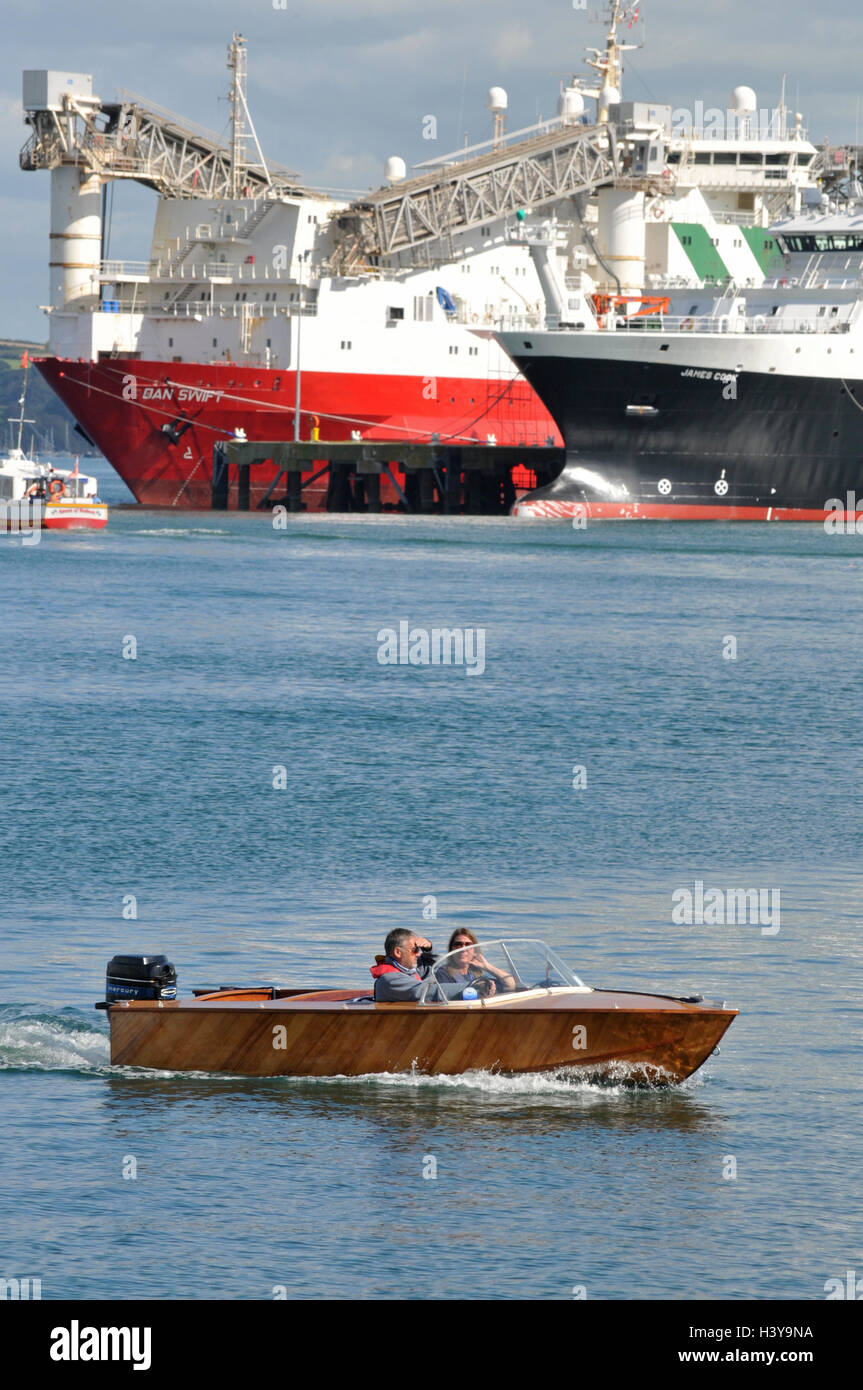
203	755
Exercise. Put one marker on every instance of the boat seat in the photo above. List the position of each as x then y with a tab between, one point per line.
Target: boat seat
335	996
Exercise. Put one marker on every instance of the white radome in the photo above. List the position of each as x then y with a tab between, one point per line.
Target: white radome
743	101
395	169
497	100
609	96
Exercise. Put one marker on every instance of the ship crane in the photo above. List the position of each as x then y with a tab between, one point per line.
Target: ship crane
136	139
560	164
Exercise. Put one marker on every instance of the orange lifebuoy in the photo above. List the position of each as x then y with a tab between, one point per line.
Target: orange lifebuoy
56	489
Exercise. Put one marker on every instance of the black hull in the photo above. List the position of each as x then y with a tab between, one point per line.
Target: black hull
648	440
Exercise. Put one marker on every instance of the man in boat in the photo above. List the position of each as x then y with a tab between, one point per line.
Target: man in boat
400	976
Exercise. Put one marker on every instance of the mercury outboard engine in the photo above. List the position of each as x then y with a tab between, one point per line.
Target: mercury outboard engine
140	977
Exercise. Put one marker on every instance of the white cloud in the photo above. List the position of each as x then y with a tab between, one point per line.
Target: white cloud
511	43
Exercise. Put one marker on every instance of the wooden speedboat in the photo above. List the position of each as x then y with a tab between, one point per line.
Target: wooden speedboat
542	1018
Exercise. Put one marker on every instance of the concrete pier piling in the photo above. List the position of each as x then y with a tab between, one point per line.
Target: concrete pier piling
470	479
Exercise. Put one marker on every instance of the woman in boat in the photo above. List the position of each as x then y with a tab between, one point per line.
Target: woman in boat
470	966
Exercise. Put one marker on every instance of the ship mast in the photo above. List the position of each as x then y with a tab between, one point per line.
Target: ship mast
19	419
240	117
609	64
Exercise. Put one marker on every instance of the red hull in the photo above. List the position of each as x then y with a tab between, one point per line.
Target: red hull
125	404
553	510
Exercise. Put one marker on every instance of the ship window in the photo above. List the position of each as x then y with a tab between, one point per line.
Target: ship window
527	344
170	342
774	311
423	308
394	312
215	342
749	157
777	159
725	157
663	347
277	383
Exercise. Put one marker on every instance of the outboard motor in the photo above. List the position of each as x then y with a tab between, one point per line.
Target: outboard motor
140	977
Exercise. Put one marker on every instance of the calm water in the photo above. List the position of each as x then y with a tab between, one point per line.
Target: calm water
258	649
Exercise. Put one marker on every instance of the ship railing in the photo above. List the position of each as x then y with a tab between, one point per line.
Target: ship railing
756	131
121	270
204	308
735	219
200	271
736	324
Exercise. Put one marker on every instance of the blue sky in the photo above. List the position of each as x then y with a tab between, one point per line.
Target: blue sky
336	86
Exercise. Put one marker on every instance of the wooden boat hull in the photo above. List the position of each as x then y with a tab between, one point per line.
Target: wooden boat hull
326	1034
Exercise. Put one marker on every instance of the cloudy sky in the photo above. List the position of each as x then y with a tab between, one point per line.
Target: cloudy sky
337	85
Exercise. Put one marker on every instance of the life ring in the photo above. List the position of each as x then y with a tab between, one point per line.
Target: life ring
474	318
688	325
658	209
56	489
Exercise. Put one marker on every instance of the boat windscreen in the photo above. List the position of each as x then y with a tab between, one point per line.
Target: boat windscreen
479	970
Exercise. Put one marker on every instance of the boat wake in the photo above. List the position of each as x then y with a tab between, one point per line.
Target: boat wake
619	1078
33	1039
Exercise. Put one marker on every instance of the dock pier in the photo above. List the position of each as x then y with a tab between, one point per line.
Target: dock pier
471	479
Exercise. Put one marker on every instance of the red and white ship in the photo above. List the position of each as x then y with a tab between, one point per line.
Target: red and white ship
256	316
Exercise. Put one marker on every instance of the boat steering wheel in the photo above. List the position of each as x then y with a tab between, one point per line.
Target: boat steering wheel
484	985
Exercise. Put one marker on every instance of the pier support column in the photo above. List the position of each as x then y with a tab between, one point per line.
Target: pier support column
219	484
412	490
243	487
452	493
427	503
473	482
373	491
295	491
508	492
340	497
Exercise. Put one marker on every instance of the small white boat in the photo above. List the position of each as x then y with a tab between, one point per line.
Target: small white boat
34	494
